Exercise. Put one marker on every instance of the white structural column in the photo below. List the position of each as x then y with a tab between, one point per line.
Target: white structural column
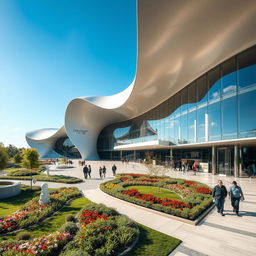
236	161
214	161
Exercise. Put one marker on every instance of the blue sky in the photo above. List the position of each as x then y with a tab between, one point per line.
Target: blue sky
52	51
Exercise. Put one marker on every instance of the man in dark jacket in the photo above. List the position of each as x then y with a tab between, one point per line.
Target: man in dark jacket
219	194
85	170
114	170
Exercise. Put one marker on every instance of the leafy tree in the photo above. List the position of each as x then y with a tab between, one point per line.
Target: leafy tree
3	158
30	158
18	158
12	150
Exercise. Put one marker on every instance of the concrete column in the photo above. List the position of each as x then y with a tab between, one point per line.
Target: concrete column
121	155
134	155
214	161
236	161
170	154
240	160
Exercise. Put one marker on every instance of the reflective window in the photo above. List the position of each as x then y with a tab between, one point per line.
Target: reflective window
201	116
247	116
201	89
214	121
229	77
192	127
247	68
213	81
229	118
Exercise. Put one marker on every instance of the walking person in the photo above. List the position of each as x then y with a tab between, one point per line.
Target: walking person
195	168
235	194
100	172
85	170
104	170
114	170
219	194
89	171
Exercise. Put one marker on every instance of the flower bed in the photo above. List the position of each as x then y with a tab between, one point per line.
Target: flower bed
102	232
32	212
196	197
46	245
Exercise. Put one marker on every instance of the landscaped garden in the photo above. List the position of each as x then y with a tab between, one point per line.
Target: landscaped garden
35	173
77	228
32	212
183	198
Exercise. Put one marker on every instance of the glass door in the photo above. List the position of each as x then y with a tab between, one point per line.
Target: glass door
225	157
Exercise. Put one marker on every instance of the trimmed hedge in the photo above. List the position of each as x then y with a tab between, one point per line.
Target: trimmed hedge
196	202
44	177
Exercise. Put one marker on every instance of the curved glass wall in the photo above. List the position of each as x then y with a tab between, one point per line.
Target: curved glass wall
66	148
219	105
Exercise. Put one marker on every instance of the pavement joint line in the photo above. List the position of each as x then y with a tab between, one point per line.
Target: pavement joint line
234	230
186	250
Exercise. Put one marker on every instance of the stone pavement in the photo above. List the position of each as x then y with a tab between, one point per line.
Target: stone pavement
215	235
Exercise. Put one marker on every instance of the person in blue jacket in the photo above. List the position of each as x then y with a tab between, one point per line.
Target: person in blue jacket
235	194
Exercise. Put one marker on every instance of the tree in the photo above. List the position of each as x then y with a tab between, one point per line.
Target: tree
17	158
3	158
30	158
12	150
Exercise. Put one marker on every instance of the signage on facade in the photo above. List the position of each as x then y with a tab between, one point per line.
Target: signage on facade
204	167
80	131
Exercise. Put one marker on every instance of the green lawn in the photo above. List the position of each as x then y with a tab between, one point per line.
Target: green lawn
159	192
12	204
153	243
55	222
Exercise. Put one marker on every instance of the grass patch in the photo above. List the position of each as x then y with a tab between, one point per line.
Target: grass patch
12	204
153	243
55	222
158	192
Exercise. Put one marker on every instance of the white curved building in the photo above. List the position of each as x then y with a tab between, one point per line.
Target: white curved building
196	73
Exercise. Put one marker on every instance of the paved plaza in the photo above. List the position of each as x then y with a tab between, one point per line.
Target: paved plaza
215	235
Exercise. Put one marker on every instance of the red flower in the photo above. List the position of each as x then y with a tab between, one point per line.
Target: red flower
203	190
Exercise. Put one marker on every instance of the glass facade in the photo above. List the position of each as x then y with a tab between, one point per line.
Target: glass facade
66	148
220	105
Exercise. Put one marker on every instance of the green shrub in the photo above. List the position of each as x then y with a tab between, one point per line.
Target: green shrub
75	253
23	236
116	181
101	208
171	182
70	218
23	172
69	227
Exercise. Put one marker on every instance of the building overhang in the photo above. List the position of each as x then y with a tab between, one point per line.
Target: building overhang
154	144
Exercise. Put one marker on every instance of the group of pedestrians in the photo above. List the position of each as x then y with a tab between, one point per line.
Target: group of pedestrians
220	192
102	171
87	171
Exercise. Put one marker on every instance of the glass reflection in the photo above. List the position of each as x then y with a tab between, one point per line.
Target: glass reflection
209	109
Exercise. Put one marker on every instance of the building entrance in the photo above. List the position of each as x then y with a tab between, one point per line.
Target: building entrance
225	160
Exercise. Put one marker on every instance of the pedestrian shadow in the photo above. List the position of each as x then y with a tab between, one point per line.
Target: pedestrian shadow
250	214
